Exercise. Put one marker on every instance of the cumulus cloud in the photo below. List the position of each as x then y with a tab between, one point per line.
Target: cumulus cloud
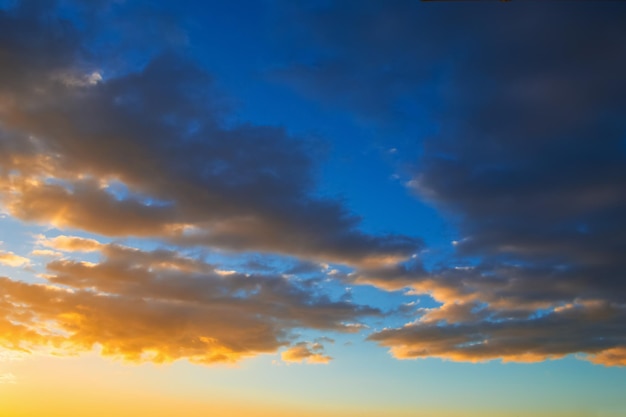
513	313
595	329
306	352
146	153
524	151
162	306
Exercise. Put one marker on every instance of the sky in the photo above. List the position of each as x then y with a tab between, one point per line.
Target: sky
313	208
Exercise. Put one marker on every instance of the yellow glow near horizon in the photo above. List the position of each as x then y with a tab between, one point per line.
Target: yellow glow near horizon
91	386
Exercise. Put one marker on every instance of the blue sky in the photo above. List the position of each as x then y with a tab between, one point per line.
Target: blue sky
415	201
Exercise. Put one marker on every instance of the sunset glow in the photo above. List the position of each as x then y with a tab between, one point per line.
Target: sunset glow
312	208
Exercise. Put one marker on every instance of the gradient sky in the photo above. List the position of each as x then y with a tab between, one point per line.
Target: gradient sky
312	208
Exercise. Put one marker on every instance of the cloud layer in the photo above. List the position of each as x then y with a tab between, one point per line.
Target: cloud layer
524	150
161	306
522	145
147	153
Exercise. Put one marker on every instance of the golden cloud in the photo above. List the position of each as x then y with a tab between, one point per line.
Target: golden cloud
69	243
161	306
11	259
312	353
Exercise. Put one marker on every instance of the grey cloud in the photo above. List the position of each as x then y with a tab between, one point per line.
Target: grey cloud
158	131
596	330
524	105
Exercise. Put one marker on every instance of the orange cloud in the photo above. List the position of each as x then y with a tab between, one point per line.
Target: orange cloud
160	306
492	334
46	253
610	357
70	243
11	259
306	352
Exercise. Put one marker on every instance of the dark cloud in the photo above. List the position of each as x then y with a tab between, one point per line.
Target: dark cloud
526	153
147	153
526	102
305	267
533	167
595	329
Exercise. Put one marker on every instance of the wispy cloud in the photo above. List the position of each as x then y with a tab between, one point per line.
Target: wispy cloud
7	378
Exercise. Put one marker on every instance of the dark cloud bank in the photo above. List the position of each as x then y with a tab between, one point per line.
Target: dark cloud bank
157	133
529	160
